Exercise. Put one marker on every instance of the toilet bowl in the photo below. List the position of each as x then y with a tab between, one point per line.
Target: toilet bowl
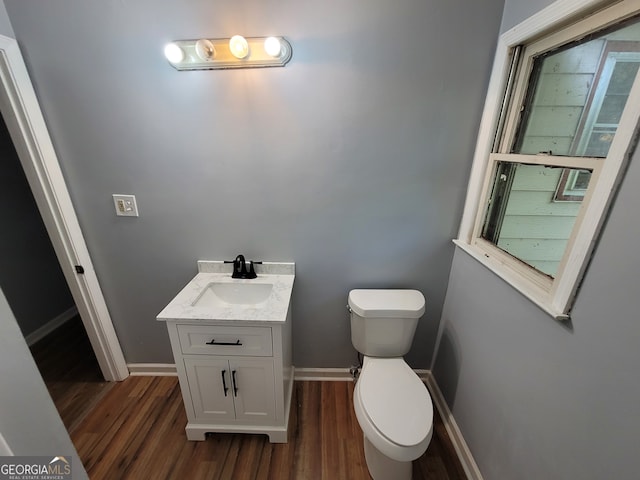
392	404
394	410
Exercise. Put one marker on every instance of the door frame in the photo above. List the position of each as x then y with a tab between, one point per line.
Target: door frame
25	122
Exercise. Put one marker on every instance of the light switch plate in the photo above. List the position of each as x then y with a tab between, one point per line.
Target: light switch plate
125	205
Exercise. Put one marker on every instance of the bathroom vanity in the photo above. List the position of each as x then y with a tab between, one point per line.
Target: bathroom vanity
231	341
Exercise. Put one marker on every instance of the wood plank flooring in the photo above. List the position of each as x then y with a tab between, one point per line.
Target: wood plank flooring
135	430
70	370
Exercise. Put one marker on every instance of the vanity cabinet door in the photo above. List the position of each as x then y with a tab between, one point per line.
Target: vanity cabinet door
210	386
240	389
254	389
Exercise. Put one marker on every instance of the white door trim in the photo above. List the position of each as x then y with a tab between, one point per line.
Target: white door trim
26	125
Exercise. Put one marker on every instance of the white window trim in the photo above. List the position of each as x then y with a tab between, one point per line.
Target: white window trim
555	297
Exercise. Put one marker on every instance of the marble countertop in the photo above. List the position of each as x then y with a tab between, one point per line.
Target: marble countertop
274	309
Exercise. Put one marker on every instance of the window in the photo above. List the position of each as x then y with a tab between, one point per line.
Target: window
545	171
572	185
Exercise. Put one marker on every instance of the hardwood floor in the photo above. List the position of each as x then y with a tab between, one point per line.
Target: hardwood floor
70	370
135	430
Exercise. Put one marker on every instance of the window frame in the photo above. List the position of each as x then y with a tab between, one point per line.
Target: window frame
615	52
567	20
566	191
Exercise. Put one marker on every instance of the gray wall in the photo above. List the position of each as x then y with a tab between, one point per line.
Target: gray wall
5	24
534	399
351	161
29	422
27	260
515	11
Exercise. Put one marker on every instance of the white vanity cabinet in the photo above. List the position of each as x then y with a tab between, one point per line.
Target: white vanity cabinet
234	378
231	342
241	388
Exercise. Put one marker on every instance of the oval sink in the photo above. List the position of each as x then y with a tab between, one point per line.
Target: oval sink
216	294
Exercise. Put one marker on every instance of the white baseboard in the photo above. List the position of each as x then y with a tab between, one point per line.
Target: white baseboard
339	374
169	369
308	374
326	374
464	454
152	369
50	326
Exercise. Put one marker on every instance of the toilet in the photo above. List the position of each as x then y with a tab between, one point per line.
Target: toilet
392	404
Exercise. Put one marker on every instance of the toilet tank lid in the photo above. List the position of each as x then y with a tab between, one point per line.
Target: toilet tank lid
389	303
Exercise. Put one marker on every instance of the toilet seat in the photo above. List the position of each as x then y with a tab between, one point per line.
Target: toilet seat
394	408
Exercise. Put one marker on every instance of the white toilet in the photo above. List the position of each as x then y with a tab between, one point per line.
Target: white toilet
392	404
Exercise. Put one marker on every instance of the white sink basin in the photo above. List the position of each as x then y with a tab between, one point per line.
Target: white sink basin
213	295
220	294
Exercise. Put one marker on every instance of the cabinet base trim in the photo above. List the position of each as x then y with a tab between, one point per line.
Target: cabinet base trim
198	431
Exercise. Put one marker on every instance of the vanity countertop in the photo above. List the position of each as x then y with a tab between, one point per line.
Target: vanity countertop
273	310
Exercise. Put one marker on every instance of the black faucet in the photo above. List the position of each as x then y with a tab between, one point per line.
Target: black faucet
240	268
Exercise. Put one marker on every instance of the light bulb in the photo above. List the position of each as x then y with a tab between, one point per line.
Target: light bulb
272	46
174	53
239	46
205	49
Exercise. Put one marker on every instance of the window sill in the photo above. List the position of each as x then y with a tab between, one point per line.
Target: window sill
538	296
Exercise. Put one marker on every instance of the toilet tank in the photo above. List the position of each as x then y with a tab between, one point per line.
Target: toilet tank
383	322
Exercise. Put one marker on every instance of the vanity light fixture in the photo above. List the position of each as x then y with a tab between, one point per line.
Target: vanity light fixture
234	52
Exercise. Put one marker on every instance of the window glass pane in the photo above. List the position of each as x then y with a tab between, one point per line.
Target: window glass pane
578	93
526	220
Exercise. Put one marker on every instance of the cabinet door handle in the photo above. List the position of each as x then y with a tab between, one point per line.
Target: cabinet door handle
224	383
235	344
235	385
